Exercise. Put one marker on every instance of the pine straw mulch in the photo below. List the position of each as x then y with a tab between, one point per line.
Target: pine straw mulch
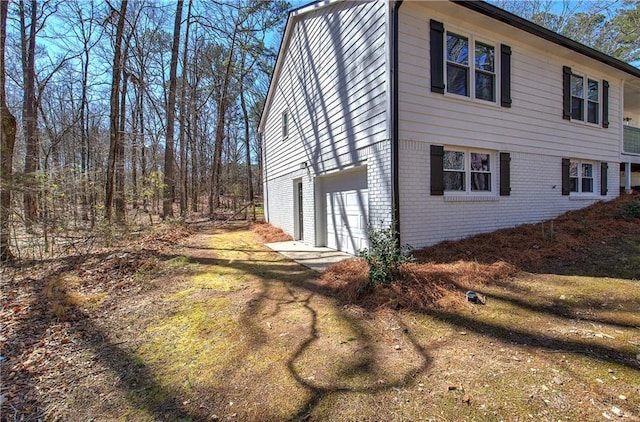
442	273
269	233
45	314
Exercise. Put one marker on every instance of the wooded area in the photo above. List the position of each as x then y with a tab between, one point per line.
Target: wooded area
128	110
115	112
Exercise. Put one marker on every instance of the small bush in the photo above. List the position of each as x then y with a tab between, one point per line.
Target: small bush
385	255
630	210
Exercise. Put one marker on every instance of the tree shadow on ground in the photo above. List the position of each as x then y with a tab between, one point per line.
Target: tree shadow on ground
301	291
570	313
285	284
39	319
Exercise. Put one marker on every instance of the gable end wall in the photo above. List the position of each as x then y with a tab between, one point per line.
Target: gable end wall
333	84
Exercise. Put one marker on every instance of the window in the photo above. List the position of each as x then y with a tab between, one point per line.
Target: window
285	124
464	66
467	171
485	72
593	102
459	73
577	97
583	99
580	177
457	64
454	171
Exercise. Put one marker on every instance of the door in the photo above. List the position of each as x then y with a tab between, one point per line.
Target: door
300	212
347	200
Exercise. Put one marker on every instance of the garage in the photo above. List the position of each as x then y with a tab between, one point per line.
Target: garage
346	202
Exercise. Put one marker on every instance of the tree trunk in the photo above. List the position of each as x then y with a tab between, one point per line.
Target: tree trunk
214	197
169	191
247	150
84	138
115	109
7	142
119	198
193	122
30	112
134	148
183	108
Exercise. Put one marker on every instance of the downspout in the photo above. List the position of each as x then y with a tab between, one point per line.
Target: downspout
395	183
265	190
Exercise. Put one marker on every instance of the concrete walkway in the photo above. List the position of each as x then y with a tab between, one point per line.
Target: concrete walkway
316	258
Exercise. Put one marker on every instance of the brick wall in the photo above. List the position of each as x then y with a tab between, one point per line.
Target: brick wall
536	195
378	159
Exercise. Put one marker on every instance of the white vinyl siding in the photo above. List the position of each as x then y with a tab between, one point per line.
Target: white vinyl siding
333	85
533	124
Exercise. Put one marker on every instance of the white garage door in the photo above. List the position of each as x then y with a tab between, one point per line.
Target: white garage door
347	204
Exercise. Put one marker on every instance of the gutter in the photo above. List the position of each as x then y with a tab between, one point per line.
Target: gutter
395	179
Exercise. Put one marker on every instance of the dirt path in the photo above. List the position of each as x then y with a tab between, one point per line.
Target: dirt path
218	327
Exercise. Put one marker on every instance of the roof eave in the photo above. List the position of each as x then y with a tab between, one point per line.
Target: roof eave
539	31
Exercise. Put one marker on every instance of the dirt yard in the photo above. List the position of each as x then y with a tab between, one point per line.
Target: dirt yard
206	325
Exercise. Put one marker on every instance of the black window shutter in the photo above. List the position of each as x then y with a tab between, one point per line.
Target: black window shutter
604	178
505	75
566	181
566	93
605	104
437	57
437	170
505	174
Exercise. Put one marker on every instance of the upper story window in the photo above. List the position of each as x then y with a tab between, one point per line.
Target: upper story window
285	124
485	72
577	97
581	92
464	66
585	99
457	64
467	171
479	82
593	101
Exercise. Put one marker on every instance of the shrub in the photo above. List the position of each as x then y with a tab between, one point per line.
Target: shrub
384	255
630	210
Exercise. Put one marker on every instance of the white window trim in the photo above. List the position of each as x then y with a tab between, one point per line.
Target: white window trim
596	179
467	173
472	39
585	97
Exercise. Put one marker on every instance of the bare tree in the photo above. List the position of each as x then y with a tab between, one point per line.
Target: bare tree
28	30
7	142
183	110
169	155
214	198
115	109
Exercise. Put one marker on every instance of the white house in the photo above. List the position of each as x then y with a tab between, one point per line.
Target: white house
450	118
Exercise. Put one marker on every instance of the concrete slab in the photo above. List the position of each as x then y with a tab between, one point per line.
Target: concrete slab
316	258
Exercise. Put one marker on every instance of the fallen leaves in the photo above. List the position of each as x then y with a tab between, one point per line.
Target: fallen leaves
45	306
